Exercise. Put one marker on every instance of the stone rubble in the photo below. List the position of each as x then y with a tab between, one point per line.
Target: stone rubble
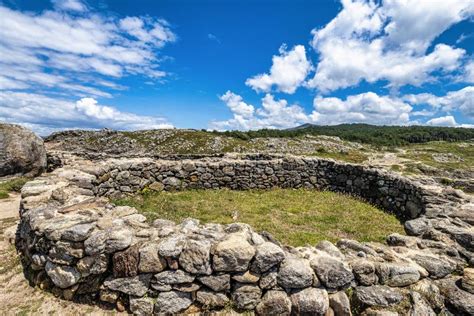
71	237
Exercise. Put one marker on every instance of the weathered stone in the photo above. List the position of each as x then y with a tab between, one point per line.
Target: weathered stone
210	300
378	295
21	151
171	246
416	227
246	297
274	303
92	265
461	302
402	275
125	263
331	272
295	273
339	302
216	282
233	254
419	306
186	287
172	302
135	286
108	296
150	260
467	281
141	306
310	301
430	292
108	241
62	276
156	186
364	272
195	257
246	277
174	277
78	232
436	266
267	255
268	280
329	248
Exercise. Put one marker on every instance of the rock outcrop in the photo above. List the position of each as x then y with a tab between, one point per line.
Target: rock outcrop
21	151
74	242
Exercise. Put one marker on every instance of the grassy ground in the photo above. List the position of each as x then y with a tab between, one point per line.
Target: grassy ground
295	217
12	185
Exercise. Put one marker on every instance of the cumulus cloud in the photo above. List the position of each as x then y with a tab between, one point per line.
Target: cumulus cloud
461	100
69	5
361	108
443	121
387	41
469	72
287	73
272	114
45	114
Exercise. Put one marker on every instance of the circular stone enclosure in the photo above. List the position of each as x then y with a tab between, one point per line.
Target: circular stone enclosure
77	244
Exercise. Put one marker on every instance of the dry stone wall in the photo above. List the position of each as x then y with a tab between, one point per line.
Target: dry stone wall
77	244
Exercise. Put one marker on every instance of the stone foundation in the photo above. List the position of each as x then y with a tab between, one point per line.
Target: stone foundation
74	242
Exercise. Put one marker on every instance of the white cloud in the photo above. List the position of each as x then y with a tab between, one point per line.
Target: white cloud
443	121
469	72
70	5
272	114
461	100
288	71
35	46
362	108
388	41
45	114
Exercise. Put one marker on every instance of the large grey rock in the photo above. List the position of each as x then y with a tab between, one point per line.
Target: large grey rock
378	295
150	260
467	281
92	265
398	274
438	267
135	286
420	306
108	241
462	302
364	272
295	273
172	302
274	303
78	232
174	277
141	306
233	254
310	301
196	257
62	276
428	289
246	296
340	304
216	282
332	273
21	151
268	255
209	299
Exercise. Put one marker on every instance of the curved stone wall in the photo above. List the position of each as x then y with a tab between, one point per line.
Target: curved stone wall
75	243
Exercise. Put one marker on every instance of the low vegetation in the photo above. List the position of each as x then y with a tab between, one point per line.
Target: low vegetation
295	217
365	133
12	185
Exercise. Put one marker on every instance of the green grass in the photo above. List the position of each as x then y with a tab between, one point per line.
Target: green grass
12	185
295	217
353	156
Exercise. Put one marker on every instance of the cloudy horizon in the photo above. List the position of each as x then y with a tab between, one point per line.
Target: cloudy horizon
91	65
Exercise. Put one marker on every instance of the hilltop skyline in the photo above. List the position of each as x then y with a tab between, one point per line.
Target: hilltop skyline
235	65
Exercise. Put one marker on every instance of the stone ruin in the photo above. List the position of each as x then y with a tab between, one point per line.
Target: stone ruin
78	245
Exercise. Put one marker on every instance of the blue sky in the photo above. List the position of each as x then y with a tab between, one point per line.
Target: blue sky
235	64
